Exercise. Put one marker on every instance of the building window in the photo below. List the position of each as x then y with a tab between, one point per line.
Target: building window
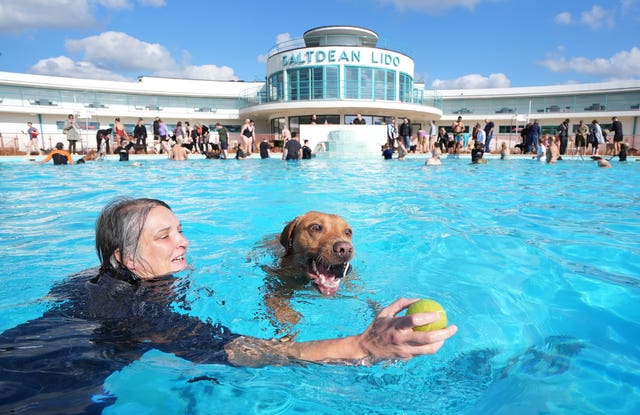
276	87
406	88
352	77
380	84
332	82
317	83
391	86
313	83
369	83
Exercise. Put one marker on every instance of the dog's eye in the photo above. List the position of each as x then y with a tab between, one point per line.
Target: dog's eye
348	232
315	228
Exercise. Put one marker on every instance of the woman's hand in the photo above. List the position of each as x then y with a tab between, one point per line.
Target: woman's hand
392	337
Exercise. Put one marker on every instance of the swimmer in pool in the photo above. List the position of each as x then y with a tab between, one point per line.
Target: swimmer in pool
59	156
104	319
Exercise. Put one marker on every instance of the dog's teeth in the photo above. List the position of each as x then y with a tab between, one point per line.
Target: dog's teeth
314	266
345	269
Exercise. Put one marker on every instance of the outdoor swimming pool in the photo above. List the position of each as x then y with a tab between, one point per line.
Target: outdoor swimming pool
538	265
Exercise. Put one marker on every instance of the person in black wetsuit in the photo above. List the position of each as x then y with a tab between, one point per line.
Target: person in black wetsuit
59	156
103	319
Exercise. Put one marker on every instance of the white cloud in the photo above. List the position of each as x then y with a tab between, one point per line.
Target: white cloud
563	18
282	40
64	66
115	4
433	7
18	16
117	50
622	65
596	18
206	72
106	55
283	37
473	81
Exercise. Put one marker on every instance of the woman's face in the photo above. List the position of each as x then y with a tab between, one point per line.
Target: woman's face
162	248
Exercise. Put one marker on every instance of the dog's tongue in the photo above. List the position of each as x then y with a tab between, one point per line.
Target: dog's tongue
327	279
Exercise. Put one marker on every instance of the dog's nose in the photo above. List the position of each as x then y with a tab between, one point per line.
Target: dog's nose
343	249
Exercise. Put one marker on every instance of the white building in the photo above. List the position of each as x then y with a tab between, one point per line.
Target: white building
334	72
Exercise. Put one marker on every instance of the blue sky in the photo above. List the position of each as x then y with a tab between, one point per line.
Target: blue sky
454	43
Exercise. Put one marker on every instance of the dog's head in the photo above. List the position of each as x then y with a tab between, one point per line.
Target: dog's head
321	244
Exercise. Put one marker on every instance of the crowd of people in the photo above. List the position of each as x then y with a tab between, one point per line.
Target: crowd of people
185	139
588	140
550	147
429	138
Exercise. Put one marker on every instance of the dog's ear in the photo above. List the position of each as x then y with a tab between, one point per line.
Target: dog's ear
286	237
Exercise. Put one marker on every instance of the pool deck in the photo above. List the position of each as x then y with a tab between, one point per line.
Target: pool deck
255	156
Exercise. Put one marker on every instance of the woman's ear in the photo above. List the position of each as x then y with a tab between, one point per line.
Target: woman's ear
129	263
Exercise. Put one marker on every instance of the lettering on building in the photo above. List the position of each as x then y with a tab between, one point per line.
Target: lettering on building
345	56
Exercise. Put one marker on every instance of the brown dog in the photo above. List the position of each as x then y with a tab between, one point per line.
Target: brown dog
317	248
319	244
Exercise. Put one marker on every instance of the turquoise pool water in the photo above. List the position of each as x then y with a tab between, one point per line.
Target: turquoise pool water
537	264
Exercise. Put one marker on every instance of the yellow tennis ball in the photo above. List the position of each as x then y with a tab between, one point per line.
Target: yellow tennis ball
429	306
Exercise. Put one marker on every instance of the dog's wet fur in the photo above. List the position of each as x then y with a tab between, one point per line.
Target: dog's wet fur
315	250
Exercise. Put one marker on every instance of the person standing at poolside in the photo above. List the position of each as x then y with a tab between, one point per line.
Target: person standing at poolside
618	136
422	140
458	129
206	138
533	136
163	132
481	137
32	133
178	132
156	135
563	135
72	131
489	126
433	135
582	133
223	137
597	136
247	136
392	134
188	140
442	141
119	132
405	132
285	134
140	134
292	149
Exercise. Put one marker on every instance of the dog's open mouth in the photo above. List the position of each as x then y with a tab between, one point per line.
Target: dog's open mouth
327	277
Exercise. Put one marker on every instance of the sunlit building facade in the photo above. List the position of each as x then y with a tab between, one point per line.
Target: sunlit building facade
334	72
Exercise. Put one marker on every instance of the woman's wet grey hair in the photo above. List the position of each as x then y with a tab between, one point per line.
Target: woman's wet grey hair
119	227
